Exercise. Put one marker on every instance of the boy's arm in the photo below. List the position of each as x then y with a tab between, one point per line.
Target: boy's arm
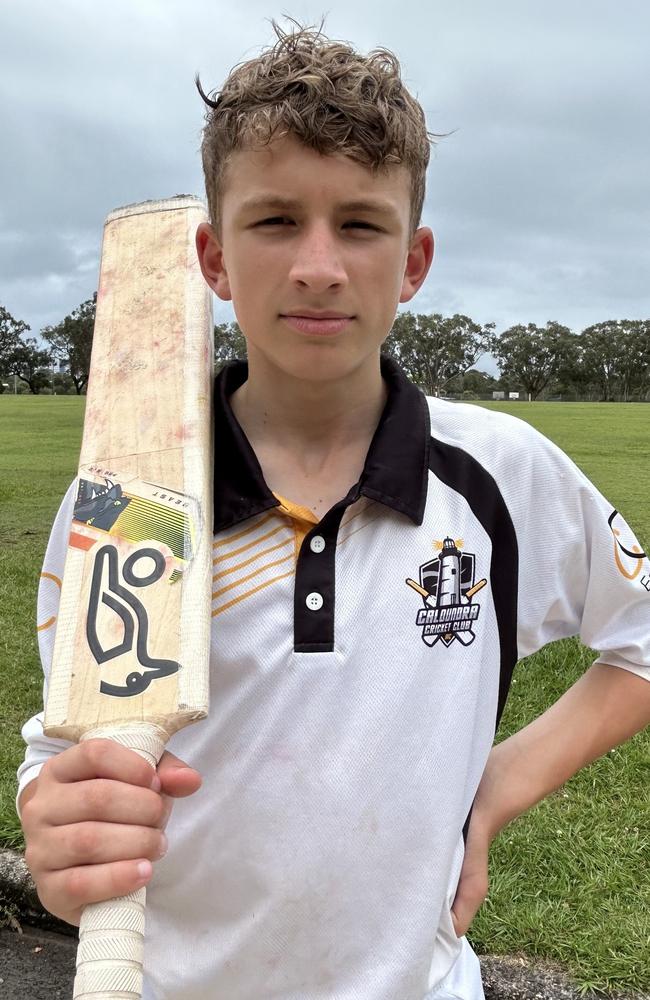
604	708
581	572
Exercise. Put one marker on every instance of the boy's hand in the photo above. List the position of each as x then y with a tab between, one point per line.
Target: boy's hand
473	881
94	820
605	707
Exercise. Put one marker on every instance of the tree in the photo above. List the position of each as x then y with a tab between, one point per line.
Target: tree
62	383
434	349
598	352
534	356
643	379
11	330
27	362
615	354
634	355
472	384
229	344
477	382
71	341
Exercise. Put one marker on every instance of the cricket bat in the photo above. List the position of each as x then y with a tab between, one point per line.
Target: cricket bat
132	641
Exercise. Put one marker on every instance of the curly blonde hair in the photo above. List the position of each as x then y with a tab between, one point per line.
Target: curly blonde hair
328	96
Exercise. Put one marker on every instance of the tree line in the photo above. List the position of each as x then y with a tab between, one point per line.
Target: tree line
69	345
607	361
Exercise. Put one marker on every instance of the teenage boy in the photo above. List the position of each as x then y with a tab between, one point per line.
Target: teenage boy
381	561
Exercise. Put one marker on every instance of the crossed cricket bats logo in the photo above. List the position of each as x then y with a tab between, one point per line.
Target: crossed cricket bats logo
448	613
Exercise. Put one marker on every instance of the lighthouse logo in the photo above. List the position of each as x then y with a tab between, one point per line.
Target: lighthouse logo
447	589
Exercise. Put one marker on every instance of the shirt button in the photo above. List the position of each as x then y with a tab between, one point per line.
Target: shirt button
317	543
314	601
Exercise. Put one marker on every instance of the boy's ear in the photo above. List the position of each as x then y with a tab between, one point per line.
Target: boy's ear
213	267
418	262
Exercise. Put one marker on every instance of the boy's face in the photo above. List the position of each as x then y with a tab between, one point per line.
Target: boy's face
294	245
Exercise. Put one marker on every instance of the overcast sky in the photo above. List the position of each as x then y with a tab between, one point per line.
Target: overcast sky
539	199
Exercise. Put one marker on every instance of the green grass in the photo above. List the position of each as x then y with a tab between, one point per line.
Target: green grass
610	442
41	436
570	880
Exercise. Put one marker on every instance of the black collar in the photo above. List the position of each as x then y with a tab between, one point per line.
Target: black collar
396	468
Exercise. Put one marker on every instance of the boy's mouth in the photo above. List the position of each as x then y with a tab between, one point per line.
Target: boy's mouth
318	323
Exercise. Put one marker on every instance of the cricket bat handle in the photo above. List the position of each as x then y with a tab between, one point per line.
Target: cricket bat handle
111	933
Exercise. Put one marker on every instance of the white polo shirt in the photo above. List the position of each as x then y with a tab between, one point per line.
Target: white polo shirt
351	712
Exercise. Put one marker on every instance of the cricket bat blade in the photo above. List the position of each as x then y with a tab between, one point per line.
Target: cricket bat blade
131	652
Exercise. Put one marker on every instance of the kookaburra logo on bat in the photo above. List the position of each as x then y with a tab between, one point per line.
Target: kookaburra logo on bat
447	588
132	613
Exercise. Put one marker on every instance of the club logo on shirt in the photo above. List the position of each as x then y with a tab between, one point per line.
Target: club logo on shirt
447	588
628	554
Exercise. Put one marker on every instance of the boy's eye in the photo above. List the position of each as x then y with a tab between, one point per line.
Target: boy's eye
280	219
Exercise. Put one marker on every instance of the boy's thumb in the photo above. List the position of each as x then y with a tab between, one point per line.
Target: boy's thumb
176	777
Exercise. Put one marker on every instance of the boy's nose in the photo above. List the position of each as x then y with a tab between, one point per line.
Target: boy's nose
318	262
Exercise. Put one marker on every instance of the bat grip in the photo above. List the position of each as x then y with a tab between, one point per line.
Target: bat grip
111	933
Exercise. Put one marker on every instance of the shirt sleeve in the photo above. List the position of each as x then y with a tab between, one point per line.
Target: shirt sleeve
39	747
582	571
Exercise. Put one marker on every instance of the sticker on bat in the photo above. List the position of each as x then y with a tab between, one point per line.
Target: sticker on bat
110	503
132	614
99	505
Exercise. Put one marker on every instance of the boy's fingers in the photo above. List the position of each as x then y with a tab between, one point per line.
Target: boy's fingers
472	890
460	918
177	778
93	844
100	759
103	801
168	804
65	893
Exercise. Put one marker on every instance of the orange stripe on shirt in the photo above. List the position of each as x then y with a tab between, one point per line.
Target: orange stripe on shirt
245	579
244	533
249	593
250	545
365	524
247	562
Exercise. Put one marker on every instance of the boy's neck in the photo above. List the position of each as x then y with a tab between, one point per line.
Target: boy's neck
313	421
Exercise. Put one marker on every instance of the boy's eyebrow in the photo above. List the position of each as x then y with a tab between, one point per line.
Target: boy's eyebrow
291	204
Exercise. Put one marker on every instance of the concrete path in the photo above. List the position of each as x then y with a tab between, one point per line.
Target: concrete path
36	965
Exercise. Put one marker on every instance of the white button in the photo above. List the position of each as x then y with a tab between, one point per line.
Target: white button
314	601
317	543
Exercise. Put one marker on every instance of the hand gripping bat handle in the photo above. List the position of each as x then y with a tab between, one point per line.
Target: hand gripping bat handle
111	933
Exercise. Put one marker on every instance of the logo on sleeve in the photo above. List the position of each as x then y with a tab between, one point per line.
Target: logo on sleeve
447	589
628	554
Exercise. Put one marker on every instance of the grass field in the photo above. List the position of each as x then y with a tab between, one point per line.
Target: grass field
41	436
570	880
611	444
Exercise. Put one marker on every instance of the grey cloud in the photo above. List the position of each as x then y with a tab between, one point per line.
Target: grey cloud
539	199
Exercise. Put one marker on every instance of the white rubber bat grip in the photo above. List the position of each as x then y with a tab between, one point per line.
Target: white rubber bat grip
111	933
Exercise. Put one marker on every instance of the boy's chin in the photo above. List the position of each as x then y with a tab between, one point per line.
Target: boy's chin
319	363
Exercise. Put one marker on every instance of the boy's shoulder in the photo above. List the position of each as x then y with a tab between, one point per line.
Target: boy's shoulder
502	443
467	422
